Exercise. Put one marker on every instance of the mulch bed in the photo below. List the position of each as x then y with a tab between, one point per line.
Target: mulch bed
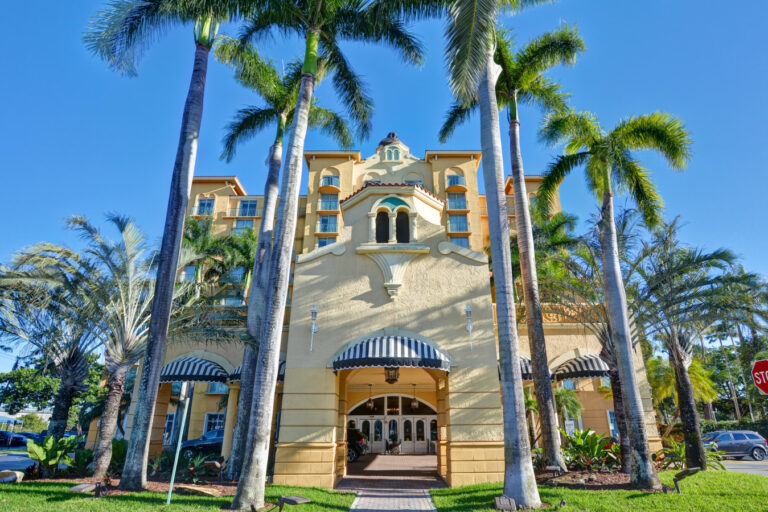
152	485
603	481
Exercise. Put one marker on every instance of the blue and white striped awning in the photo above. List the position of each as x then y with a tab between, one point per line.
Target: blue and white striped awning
526	368
192	369
237	372
392	351
581	367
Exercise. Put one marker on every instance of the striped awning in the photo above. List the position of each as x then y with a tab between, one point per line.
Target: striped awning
237	372
192	369
526	368
392	351
580	367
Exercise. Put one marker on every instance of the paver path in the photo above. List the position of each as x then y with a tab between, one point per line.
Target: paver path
403	472
369	500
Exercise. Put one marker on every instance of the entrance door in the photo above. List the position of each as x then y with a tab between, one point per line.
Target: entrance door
377	436
408	436
420	435
393	430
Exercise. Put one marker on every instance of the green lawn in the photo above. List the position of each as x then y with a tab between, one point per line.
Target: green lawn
721	491
53	496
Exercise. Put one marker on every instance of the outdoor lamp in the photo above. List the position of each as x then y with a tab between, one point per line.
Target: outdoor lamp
370	399
313	329
414	402
391	375
468	312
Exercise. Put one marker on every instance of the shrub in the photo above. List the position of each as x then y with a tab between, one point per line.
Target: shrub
588	450
759	426
672	456
81	462
51	452
119	451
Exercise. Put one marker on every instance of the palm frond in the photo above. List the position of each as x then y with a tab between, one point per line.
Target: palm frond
332	124
545	93
250	69
459	113
349	86
554	176
640	187
544	52
659	131
578	128
469	36
247	123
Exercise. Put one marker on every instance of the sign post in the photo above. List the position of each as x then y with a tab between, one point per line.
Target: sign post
760	375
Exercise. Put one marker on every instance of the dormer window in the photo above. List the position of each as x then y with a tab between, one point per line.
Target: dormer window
393	153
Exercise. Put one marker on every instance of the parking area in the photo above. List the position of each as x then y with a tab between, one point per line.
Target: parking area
747	465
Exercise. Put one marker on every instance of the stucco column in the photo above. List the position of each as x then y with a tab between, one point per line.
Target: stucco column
414	235
392	227
229	421
371	226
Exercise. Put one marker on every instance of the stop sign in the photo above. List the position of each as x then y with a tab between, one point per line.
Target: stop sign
760	375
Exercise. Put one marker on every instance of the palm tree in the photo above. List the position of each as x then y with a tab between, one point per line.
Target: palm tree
323	24
609	164
682	292
198	237
118	34
578	294
279	94
113	279
568	402
52	324
522	81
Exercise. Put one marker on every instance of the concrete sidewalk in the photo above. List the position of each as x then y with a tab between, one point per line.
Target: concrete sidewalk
370	500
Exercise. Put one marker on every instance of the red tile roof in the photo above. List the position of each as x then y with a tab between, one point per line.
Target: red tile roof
391	185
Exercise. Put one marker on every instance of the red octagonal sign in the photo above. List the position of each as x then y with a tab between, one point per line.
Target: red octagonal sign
760	375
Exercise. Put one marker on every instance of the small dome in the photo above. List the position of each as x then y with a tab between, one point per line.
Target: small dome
389	139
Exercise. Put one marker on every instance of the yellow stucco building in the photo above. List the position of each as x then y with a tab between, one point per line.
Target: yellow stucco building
389	253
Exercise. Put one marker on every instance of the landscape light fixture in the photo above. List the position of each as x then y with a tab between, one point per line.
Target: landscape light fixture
468	312
313	329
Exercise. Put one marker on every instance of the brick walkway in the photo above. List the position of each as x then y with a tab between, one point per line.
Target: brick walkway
370	500
401	472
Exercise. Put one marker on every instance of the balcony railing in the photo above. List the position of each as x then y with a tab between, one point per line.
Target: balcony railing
244	211
330	181
456	180
203	211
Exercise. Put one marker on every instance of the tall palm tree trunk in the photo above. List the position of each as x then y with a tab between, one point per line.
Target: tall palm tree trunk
519	479
621	418
257	308
550	439
731	387
61	406
109	419
134	476
643	473
741	372
250	488
686	404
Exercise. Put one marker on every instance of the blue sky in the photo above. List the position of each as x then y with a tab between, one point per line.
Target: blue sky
77	138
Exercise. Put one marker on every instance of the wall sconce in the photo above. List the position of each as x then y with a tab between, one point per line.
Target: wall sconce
391	375
468	311
313	329
369	403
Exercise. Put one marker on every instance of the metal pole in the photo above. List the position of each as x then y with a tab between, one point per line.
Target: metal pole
183	393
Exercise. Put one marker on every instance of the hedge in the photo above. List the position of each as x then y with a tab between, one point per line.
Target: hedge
759	426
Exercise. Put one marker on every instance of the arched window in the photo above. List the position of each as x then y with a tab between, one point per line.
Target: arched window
407	431
433	430
382	227
367	428
389	154
420	430
402	227
377	428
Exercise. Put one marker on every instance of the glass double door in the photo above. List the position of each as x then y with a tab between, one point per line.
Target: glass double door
413	433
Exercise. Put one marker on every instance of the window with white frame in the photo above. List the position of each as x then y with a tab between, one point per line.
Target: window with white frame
461	240
393	153
325	240
330	181
455	179
612	424
170	419
213	421
217	388
205	206
457	201
569	384
457	223
188	274
248	208
329	201
327	224
243	226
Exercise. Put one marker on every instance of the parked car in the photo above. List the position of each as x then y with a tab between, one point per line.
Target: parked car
738	443
210	442
357	444
36	437
10	439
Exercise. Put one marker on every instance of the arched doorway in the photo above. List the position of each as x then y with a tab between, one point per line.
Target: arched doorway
399	420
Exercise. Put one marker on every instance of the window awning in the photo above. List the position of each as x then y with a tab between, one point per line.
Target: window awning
580	367
192	369
392	351
237	372
526	368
